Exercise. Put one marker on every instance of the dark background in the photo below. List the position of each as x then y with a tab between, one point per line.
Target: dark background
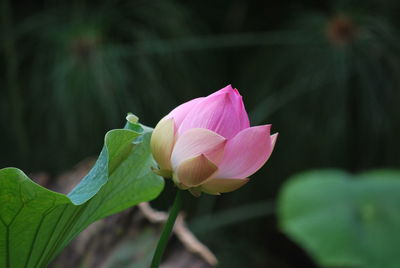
326	74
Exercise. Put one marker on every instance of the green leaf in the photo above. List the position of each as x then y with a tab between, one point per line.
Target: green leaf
344	220
36	224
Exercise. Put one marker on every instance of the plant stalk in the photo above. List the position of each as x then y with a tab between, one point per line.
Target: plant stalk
166	232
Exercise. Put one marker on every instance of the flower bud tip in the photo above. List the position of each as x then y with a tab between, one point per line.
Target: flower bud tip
131	118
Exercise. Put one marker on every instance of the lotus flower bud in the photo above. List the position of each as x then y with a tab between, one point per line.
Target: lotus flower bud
207	144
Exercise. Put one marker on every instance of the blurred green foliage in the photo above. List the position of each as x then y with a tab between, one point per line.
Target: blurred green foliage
344	220
325	73
84	66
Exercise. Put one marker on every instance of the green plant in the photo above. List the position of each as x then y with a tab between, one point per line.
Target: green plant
344	220
36	224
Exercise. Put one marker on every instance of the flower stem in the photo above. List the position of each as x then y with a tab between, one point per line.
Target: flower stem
162	243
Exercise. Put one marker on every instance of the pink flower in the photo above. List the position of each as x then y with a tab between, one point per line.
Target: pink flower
207	144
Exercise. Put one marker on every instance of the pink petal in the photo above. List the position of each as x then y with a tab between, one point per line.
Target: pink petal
246	152
224	90
273	140
243	117
237	100
222	112
180	112
195	142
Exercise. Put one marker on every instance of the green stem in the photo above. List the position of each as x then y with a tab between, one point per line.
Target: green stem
162	243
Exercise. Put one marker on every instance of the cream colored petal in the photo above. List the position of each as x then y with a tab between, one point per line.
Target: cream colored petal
196	192
162	143
162	172
195	171
215	186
